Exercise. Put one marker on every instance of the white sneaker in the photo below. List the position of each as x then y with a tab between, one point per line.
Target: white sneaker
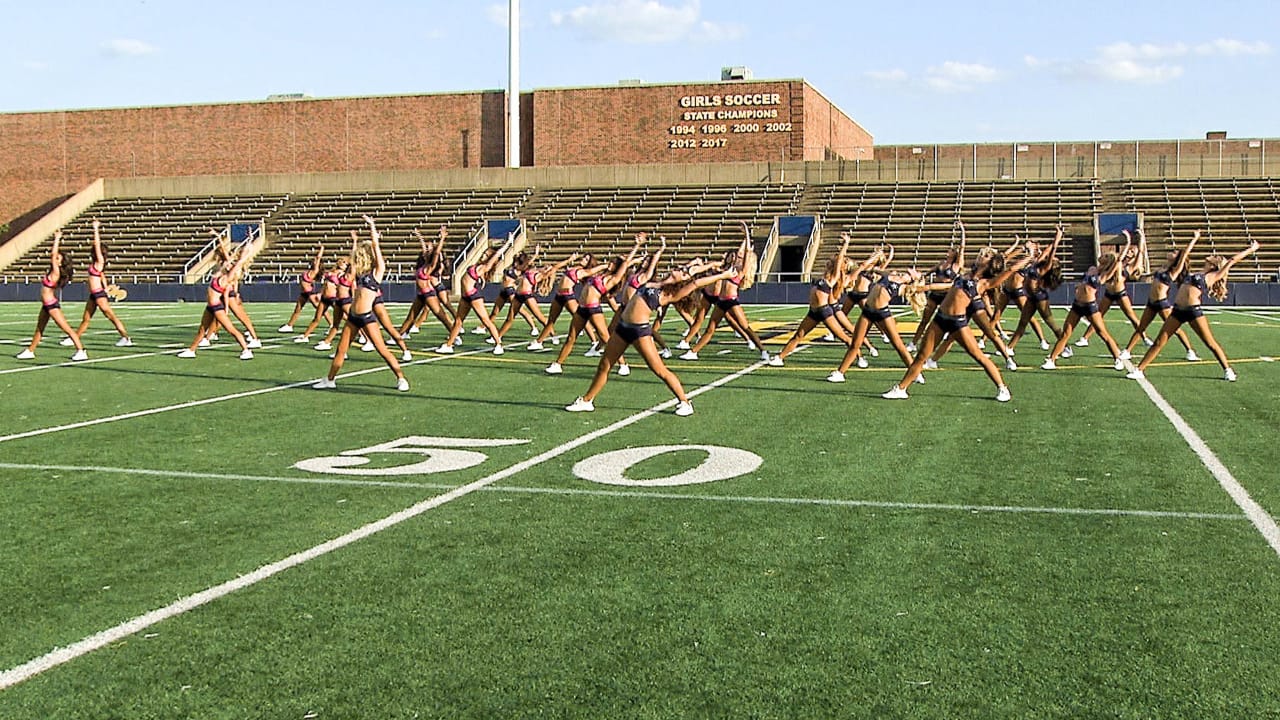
835	377
402	385
535	345
213	337
1082	342
665	353
930	364
751	346
302	339
764	355
457	342
1192	356
285	328
919	379
581	405
1148	341
80	355
188	353
246	354
829	337
445	349
1125	355
1003	395
479	330
594	351
682	345
1010	365
871	349
413	329
1136	374
691	355
254	344
982	343
1229	375
1049	364
555	339
325	383
895	393
1067	352
204	342
27	355
67	342
1119	363
534	332
1044	345
775	361
862	362
497	350
124	342
322	345
624	370
911	348
406	356
554	369
367	346
489	340
684	409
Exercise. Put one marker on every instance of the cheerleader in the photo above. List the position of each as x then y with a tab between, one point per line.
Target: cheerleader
989	271
855	294
308	292
345	281
59	275
506	296
1041	276
1211	280
1085	307
728	307
635	328
590	312
566	297
328	300
215	311
97	283
822	301
875	311
1115	292
1016	291
534	280
947	270
473	299
426	286
369	268
1159	304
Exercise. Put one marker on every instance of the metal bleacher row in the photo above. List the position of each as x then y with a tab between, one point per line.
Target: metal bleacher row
151	239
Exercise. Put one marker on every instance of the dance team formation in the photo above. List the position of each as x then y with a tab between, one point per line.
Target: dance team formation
345	293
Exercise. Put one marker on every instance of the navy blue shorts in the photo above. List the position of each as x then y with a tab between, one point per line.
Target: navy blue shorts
950	323
1161	304
98	295
362	320
1084	310
1186	315
877	314
631	333
585	312
820	314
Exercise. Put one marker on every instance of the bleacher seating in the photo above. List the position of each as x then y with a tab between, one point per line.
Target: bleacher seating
148	238
919	218
1229	212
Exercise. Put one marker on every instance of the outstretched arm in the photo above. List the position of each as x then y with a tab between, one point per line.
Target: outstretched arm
53	252
97	243
963	237
1180	265
1219	274
379	262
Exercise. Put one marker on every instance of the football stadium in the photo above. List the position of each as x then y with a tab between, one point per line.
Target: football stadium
638	400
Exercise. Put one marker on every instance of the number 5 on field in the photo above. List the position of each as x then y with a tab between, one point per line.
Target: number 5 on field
439	454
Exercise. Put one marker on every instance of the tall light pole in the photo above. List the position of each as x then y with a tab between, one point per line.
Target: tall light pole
513	84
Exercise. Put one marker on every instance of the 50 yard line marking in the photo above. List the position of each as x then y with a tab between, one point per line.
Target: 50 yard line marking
1259	517
57	657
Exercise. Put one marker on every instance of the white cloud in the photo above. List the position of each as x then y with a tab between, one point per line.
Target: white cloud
1145	63
498	15
896	76
645	22
952	76
127	47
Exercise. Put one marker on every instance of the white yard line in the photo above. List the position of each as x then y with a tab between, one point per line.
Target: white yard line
57	657
1256	514
637	494
218	399
1272	318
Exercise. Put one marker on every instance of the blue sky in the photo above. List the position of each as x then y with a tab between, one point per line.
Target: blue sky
910	72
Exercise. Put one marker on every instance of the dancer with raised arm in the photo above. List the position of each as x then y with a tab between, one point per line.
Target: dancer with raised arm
369	267
989	271
908	284
824	295
636	329
1115	291
534	281
1211	280
1042	275
590	312
97	283
566	295
1085	307
427	298
947	270
59	275
1159	304
215	311
473	299
308	290
727	305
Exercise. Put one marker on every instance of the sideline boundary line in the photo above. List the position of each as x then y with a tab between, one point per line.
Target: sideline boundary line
1256	514
637	494
62	655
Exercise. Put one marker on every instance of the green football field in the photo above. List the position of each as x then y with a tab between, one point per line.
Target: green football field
212	538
